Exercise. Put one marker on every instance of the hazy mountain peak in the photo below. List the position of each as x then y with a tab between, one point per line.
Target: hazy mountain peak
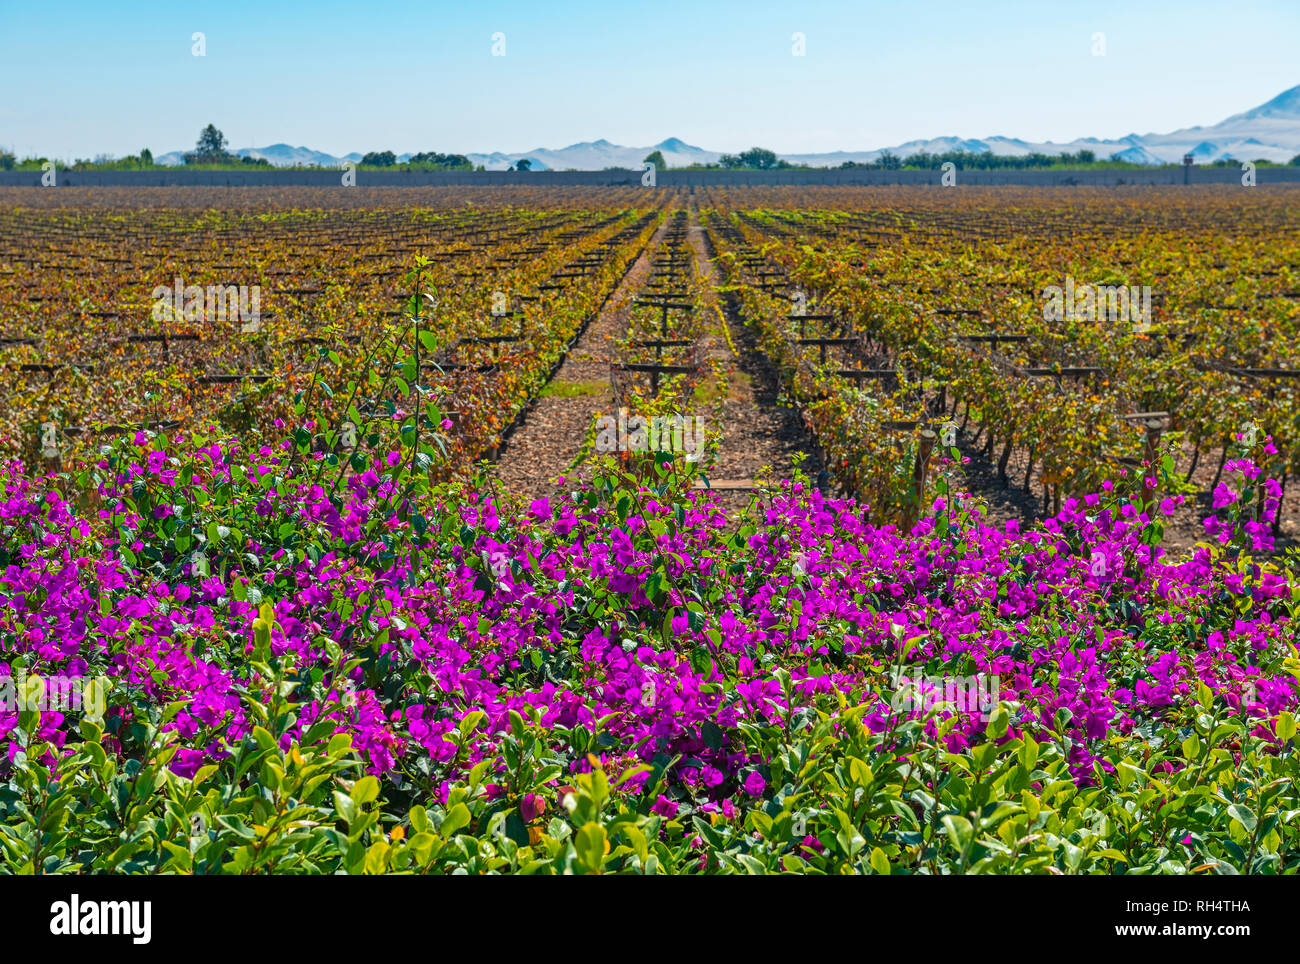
1285	105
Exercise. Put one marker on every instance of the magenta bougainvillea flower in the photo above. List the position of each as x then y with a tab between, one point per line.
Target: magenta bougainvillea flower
659	629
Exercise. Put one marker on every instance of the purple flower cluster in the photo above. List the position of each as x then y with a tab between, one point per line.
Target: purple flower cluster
658	633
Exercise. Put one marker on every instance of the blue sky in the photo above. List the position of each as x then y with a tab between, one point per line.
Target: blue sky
80	78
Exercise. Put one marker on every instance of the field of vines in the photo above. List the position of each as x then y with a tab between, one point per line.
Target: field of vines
528	530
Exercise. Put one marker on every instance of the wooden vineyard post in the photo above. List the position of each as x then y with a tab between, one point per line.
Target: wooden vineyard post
925	447
1150	493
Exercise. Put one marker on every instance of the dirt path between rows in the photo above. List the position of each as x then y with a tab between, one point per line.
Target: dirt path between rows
558	420
757	431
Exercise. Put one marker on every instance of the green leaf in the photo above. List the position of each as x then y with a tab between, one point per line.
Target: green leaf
419	818
365	790
860	773
457	817
959	830
1286	726
880	862
591	842
711	734
1243	815
998	722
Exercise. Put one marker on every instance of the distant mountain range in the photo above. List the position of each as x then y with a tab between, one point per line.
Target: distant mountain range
1270	132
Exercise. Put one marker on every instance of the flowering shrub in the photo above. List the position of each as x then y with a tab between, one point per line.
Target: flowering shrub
315	670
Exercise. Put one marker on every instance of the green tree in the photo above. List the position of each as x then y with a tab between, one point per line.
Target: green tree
211	141
759	158
379	159
755	159
523	164
657	159
210	149
442	162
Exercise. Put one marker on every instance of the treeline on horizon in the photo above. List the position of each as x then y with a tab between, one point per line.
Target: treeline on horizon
762	159
211	153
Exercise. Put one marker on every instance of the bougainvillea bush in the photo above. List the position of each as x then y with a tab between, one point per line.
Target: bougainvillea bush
315	666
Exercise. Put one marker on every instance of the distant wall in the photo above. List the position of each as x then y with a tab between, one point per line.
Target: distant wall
1036	178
